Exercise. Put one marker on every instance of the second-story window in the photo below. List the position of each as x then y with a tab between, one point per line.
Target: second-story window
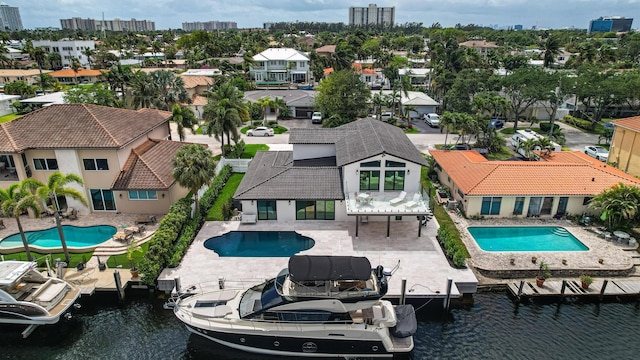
95	164
45	164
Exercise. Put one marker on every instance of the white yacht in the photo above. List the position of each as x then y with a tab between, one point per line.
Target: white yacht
30	298
321	306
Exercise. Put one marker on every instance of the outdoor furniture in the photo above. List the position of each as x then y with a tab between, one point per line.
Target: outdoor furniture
364	198
249	219
49	211
398	200
2	224
69	213
146	220
621	235
414	201
632	241
123	236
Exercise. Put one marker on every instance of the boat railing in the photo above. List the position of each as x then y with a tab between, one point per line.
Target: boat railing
221	284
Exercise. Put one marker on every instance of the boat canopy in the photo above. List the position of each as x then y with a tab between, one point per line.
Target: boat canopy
326	268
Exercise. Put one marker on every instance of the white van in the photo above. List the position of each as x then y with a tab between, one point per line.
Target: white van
524	135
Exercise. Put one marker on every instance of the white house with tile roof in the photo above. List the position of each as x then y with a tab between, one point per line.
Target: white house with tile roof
281	65
357	171
123	156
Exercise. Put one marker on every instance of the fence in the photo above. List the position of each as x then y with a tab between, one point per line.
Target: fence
237	165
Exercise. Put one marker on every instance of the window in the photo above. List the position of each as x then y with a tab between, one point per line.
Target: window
370	180
267	210
102	200
586	200
547	204
394	180
519	206
95	164
143	195
490	206
562	205
8	161
315	210
371	164
395	164
45	164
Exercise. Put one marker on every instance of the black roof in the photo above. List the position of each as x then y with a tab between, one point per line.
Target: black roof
325	268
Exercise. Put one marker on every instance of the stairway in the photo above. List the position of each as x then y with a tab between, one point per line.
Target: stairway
562	232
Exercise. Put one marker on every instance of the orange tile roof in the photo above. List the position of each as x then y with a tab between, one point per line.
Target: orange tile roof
69	126
632	123
192	81
478	44
71	73
149	166
566	174
328	71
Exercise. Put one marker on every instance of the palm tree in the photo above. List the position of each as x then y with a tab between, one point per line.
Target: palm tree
75	66
39	55
527	147
171	89
551	50
620	205
144	91
89	53
265	103
14	201
194	167
281	106
546	146
55	60
221	119
184	118
56	186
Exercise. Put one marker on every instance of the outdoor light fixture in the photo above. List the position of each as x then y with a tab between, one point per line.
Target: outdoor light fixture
408	171
163	195
120	195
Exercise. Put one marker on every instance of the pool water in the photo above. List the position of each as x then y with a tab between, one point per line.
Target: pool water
75	236
525	238
259	243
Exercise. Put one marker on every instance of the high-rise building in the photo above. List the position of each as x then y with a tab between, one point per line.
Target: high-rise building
68	49
372	15
10	18
610	24
116	24
209	25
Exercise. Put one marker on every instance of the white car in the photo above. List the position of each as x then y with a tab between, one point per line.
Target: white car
431	119
597	152
316	118
260	131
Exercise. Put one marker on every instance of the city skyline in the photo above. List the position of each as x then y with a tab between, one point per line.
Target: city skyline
253	13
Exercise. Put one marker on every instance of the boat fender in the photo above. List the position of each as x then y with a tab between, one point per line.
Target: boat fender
379	271
384	286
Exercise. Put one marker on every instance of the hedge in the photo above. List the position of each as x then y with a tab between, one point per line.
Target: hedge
580	123
545	126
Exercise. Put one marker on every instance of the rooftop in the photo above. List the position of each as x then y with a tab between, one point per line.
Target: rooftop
631	123
281	54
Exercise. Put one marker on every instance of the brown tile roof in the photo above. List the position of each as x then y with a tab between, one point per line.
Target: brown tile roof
26	72
149	166
326	49
66	126
478	44
566	174
199	100
191	81
632	123
71	73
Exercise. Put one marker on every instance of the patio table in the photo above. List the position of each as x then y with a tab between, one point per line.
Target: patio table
621	235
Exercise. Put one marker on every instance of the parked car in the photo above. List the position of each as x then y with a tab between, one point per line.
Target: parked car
456	147
432	119
608	125
597	152
260	131
385	116
316	118
496	123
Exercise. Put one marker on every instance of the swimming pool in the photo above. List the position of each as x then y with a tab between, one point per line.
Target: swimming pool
525	238
78	237
259	243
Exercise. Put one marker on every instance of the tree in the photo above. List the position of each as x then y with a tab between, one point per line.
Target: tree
144	91
184	118
523	87
551	50
20	88
342	94
55	60
89	53
57	186
75	66
194	167
13	202
224	113
170	89
40	56
265	103
118	77
97	94
619	206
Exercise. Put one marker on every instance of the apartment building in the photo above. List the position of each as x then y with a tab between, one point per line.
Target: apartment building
372	15
68	49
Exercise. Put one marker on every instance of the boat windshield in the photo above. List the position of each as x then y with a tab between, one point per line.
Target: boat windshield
259	298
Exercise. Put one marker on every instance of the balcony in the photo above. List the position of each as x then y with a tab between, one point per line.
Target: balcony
380	203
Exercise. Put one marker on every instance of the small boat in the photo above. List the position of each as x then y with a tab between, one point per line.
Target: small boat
321	306
31	298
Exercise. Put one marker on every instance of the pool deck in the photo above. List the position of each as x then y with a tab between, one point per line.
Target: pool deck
422	262
618	259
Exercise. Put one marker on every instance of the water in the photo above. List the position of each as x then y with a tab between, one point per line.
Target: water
75	236
493	328
259	243
525	238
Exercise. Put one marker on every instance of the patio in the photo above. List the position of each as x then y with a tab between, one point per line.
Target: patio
380	203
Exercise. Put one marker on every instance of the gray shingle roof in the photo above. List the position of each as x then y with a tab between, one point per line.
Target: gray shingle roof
271	175
361	139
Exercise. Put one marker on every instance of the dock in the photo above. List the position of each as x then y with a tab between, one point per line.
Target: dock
600	288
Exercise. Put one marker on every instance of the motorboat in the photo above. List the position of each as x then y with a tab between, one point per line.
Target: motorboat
320	306
31	298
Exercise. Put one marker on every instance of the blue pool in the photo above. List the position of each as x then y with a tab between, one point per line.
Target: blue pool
259	243
75	236
525	238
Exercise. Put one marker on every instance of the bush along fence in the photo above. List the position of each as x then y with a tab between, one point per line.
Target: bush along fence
177	230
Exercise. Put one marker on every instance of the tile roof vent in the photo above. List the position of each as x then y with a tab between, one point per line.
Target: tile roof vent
593	179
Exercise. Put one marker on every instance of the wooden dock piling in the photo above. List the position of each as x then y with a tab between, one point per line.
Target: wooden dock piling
600	289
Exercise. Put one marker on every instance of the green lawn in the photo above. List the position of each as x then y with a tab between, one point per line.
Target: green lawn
251	149
121	260
8	117
216	213
75	258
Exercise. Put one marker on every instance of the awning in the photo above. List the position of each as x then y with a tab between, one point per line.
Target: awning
326	268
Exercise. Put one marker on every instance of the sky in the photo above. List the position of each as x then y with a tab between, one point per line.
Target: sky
552	14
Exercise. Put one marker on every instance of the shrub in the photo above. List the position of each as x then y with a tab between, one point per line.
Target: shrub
545	126
580	123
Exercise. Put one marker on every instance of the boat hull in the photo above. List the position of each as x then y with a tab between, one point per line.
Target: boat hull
282	345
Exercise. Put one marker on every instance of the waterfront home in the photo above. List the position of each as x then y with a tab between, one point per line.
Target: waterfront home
123	156
559	184
30	76
82	76
365	170
625	145
299	102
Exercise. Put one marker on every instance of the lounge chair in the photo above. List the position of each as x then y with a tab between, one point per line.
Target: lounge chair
398	200
68	212
2	224
49	211
414	201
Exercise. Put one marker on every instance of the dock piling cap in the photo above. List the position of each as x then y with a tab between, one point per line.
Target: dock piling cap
386	272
